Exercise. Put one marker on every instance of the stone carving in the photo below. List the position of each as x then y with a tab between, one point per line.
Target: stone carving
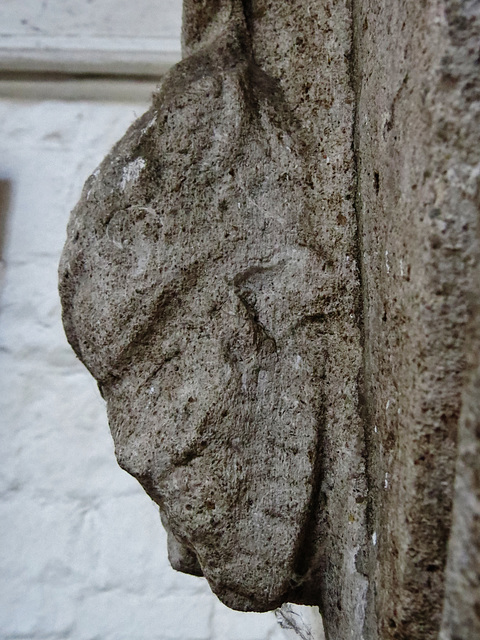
193	292
210	284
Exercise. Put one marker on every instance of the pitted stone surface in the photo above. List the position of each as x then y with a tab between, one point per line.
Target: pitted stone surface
210	286
416	70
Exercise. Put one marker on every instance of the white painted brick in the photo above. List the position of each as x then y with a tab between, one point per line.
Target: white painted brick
110	615
34	534
236	625
187	618
36	611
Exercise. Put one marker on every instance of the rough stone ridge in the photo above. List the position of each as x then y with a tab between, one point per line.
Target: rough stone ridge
209	284
461	612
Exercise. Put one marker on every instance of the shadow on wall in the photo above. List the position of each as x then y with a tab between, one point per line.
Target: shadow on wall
5	199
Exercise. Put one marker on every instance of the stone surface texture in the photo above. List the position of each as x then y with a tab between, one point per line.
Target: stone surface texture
461	615
209	283
417	150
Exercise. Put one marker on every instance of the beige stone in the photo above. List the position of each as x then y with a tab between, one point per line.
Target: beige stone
417	149
219	315
213	281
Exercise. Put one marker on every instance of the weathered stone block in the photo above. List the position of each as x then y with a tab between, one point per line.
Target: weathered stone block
209	283
417	149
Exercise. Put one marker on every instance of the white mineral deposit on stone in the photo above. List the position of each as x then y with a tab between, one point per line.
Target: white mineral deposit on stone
132	171
385	484
374	538
301	622
150	124
116	243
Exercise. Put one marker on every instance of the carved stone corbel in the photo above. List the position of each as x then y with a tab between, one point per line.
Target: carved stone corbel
209	284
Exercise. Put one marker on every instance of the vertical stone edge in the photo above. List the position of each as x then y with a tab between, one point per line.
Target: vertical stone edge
369	626
461	612
415	71
307	48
